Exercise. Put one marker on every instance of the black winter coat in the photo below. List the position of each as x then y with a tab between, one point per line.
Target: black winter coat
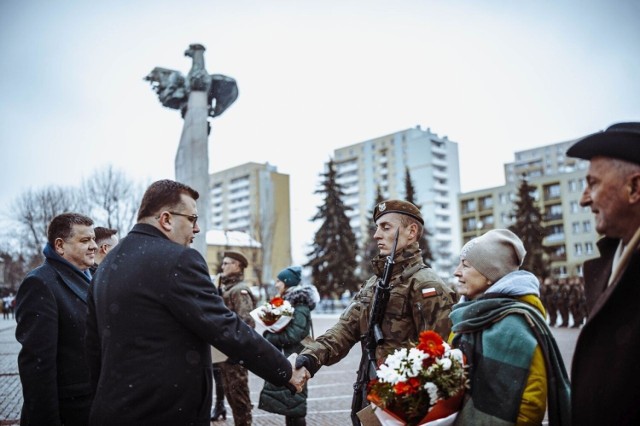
153	315
605	373
51	311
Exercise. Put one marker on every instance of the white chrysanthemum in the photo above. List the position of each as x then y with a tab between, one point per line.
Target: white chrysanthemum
389	375
445	363
414	364
456	354
432	389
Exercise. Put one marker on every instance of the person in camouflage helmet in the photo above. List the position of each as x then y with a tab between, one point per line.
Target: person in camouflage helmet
419	299
238	298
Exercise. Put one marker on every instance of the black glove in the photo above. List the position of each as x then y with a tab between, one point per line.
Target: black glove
307	362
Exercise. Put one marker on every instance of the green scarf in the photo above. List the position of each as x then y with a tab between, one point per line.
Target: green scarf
499	376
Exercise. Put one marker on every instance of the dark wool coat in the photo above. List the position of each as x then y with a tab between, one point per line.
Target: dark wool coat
605	372
51	312
277	399
153	315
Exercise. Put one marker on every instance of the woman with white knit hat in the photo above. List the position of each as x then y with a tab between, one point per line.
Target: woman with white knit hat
515	369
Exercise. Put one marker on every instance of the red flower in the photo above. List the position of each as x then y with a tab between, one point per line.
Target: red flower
277	301
411	386
431	343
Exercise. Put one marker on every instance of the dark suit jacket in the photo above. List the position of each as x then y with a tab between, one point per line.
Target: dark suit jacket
605	373
51	315
153	315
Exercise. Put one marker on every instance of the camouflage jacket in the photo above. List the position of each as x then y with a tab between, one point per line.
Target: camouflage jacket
238	297
419	300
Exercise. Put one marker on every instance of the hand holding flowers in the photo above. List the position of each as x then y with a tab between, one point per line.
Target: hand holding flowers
273	316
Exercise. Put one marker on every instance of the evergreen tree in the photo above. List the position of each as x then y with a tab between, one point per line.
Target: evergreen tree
427	255
369	245
334	248
529	228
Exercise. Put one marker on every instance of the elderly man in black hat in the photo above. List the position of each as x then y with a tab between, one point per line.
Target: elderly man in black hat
419	300
606	364
238	298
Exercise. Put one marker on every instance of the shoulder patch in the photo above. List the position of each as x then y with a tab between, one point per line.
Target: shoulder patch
428	292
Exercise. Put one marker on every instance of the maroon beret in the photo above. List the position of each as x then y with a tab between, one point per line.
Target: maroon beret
237	256
397	206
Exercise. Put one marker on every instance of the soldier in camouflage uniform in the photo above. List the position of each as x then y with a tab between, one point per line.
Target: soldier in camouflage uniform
238	298
563	300
576	301
419	299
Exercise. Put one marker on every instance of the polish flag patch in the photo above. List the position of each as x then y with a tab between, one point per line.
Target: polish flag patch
428	292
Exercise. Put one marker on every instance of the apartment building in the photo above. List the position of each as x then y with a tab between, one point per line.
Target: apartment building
559	182
254	198
381	162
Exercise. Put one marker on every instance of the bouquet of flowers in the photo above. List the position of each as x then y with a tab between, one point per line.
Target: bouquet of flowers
419	384
273	315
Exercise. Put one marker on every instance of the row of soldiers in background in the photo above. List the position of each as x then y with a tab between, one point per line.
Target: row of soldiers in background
564	296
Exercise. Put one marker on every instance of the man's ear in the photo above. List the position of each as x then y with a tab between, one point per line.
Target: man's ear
165	221
58	246
413	231
634	188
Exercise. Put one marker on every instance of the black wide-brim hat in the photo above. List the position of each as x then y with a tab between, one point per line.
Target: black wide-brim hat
621	141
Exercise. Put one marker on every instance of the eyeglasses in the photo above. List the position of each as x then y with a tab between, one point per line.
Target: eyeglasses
193	218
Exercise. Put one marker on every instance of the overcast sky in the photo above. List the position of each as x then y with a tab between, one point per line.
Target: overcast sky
494	76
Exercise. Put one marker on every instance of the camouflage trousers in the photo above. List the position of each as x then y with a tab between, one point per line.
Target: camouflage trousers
236	384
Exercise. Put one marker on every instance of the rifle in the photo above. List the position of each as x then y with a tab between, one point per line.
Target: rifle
374	336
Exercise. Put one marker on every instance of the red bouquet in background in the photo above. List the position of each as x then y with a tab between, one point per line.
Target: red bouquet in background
419	384
273	315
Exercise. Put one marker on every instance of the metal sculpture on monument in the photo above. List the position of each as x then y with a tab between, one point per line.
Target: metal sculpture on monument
198	96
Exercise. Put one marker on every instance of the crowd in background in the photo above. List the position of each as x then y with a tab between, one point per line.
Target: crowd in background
564	297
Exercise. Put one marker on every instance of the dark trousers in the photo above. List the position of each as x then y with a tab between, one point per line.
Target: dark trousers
236	380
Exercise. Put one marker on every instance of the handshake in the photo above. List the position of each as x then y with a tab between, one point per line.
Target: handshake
304	367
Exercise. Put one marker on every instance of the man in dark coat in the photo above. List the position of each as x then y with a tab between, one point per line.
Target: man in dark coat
153	315
606	369
51	311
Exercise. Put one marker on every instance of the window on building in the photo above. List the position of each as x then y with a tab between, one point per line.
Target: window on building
559	251
574	206
486	203
575	226
469	224
553	212
586	226
468	206
487	221
556	232
588	248
573	185
552	191
577	249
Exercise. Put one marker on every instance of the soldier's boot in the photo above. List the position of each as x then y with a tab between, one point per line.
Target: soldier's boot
219	410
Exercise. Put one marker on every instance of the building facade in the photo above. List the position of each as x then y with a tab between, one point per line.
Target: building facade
382	162
559	183
254	198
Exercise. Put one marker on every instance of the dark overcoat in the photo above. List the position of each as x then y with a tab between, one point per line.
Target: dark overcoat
153	315
605	373
51	312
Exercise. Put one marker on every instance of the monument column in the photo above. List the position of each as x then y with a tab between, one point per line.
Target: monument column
198	96
191	166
